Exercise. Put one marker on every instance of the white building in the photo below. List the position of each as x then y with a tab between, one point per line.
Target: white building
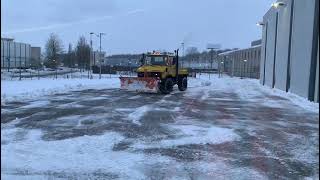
290	48
16	54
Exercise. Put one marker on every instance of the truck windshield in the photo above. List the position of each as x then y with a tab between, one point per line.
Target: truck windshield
155	60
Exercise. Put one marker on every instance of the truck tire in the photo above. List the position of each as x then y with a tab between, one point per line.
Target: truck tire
166	86
182	83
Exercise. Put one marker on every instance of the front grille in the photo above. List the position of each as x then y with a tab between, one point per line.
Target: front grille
149	74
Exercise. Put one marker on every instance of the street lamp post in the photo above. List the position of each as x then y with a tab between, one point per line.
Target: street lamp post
219	68
91	54
222	64
55	64
8	56
129	63
30	72
20	67
233	68
211	58
100	35
56	70
182	44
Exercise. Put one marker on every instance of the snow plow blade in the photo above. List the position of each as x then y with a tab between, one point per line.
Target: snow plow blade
140	84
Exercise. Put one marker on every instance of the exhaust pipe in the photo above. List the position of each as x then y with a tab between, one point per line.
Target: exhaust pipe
177	64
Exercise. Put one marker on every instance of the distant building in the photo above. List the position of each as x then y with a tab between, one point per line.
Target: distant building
98	58
36	53
118	61
242	62
15	54
123	60
256	42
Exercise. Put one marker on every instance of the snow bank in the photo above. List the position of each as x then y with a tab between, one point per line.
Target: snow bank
25	89
295	99
249	90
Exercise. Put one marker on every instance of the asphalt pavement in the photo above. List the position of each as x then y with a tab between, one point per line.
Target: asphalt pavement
216	136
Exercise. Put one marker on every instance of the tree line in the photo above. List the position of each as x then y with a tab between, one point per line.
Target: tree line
79	56
75	57
192	54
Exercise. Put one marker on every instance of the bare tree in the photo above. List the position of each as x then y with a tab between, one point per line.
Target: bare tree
192	50
83	53
192	55
53	49
69	58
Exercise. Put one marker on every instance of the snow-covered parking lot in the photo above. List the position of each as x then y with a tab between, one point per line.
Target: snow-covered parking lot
222	128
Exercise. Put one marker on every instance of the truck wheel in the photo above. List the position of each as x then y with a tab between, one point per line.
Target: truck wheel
183	83
166	86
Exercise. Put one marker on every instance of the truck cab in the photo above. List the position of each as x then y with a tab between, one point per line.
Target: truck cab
164	66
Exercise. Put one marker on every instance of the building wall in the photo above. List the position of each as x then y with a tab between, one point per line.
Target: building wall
290	37
234	64
121	61
316	89
14	54
301	47
282	46
271	22
263	54
316	92
35	53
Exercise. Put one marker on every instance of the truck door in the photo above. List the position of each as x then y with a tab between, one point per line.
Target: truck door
171	67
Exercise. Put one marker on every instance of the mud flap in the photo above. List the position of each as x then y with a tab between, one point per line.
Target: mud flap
140	84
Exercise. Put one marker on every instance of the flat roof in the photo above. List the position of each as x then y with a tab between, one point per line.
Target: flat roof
229	52
7	39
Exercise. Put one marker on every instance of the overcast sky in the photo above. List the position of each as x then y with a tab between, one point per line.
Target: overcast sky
135	26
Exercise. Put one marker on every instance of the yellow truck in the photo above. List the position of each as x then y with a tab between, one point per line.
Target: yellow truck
159	72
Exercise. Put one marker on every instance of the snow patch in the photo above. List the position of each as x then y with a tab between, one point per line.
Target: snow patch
205	83
303	152
190	134
295	99
220	170
81	154
135	97
205	95
36	104
71	105
136	115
